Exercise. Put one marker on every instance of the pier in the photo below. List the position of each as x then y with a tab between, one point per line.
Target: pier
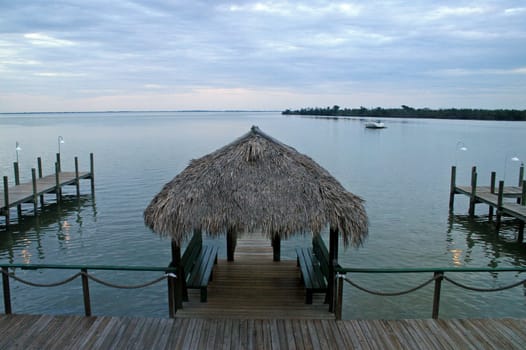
505	200
31	192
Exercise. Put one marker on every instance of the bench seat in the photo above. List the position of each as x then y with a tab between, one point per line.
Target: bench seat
311	273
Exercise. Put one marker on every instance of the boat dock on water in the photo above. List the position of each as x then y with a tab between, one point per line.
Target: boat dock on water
505	200
30	192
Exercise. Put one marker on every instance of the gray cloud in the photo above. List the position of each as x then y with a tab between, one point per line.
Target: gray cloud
97	49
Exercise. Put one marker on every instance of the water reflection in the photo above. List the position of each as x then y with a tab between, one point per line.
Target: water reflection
24	238
469	234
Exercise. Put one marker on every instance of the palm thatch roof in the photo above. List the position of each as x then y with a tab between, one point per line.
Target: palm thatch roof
256	183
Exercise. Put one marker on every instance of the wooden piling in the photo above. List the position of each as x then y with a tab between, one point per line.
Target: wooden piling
35	191
7	290
92	172
17	182
492	190
57	182
58	162
499	205
6	200
439	276
452	188
77	181
472	198
39	165
85	292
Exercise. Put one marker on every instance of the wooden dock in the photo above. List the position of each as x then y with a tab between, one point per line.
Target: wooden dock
30	192
255	286
105	332
506	200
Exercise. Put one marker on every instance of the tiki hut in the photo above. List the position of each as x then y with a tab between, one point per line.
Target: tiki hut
257	184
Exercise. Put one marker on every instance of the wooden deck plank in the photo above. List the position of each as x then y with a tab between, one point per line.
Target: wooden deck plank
58	332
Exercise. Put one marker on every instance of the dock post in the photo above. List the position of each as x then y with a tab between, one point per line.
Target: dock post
57	183
439	275
58	162
17	182
492	190
77	182
6	200
231	240
92	172
85	292
521	174
472	199
7	291
179	288
39	165
452	189
35	196
499	205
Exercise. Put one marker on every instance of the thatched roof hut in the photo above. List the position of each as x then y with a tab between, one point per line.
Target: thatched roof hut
256	183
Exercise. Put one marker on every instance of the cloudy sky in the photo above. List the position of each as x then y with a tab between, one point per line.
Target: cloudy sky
170	55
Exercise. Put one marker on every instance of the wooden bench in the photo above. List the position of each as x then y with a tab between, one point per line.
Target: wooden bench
198	262
314	267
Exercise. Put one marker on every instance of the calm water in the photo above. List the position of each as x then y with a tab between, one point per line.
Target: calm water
402	172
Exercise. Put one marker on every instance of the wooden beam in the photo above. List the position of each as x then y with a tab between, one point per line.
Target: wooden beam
231	238
276	247
333	261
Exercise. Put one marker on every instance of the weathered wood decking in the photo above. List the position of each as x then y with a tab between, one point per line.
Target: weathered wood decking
255	286
484	195
78	332
23	193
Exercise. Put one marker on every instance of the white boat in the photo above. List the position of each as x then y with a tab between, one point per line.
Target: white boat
375	125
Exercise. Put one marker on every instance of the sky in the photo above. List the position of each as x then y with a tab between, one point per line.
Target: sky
102	55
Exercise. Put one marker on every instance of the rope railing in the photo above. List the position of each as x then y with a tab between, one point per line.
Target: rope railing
169	275
438	276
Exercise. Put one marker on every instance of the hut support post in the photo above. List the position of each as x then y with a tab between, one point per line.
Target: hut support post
276	247
333	262
452	188
6	200
339	297
231	238
180	291
472	199
39	166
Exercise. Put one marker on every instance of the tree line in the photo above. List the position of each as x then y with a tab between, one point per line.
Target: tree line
409	112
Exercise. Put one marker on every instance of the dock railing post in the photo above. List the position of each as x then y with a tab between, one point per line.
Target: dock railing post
39	166
85	292
35	191
77	181
92	174
6	200
521	174
439	275
172	301
338	300
472	199
452	189
499	205
7	290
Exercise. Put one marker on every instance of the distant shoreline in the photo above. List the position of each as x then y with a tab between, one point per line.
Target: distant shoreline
153	111
416	113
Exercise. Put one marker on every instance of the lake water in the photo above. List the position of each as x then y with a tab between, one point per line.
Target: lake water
402	172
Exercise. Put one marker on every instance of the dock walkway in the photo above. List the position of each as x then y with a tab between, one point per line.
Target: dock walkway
105	332
29	192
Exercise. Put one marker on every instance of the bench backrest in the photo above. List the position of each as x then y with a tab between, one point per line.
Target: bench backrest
192	251
322	254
